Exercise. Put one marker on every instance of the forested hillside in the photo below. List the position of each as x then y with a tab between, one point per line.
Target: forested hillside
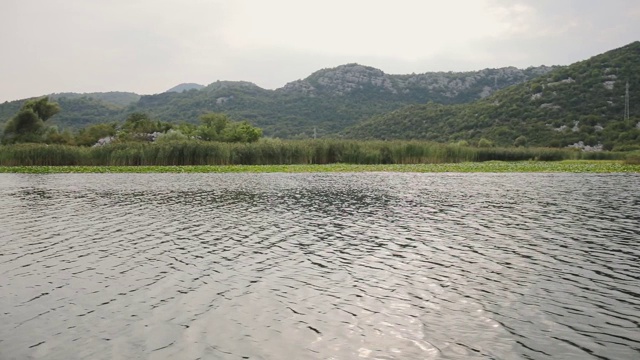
328	101
185	87
80	110
114	98
582	102
542	106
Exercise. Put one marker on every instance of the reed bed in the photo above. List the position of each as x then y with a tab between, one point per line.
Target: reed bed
633	158
278	152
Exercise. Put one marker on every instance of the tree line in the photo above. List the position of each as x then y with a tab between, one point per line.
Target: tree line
29	125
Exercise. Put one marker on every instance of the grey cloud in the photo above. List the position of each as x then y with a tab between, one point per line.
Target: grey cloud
147	47
85	46
563	32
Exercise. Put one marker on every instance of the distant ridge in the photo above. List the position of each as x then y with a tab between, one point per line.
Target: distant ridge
185	87
330	100
580	103
116	98
549	106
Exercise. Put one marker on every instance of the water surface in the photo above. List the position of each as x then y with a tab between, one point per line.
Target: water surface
320	266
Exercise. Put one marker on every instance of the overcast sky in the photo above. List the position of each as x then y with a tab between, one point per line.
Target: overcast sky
148	46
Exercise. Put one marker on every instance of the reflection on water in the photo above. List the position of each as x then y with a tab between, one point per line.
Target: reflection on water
320	266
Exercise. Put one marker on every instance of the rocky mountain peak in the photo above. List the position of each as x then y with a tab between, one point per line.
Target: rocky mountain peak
348	78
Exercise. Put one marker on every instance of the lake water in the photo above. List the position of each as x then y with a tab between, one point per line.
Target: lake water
320	266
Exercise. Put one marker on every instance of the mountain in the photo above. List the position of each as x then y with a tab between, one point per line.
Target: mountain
329	100
581	102
185	87
436	86
115	98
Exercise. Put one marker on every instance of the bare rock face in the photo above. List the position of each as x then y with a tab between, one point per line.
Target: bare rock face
549	106
104	141
299	86
349	78
561	82
587	148
224	99
341	80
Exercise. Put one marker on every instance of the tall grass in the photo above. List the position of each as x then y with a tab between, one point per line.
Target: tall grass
278	152
633	158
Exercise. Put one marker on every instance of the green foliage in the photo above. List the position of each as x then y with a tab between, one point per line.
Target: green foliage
485	143
140	127
520	141
286	113
28	124
140	123
53	136
275	152
90	135
172	136
189	130
42	155
42	108
80	112
633	158
241	132
216	121
212	126
218	127
581	102
113	98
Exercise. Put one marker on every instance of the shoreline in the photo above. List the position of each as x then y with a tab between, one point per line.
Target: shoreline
567	166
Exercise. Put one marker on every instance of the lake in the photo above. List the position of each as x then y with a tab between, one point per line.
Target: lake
320	266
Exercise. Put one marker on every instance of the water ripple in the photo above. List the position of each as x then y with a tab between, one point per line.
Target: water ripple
326	266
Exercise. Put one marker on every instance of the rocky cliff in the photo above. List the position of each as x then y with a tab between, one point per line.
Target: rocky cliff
455	86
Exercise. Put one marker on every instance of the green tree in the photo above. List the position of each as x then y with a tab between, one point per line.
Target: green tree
172	135
53	136
187	129
212	125
138	126
241	132
520	141
42	107
218	127
485	143
90	135
139	123
215	121
28	124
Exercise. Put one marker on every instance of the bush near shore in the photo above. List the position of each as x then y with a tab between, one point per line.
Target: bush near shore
278	152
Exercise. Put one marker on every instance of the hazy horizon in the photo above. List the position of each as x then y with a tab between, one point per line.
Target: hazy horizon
148	47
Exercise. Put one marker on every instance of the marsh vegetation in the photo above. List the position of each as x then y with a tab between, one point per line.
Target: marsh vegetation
278	152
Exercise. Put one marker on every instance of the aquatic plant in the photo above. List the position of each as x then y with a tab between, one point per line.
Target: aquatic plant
277	152
571	166
633	158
